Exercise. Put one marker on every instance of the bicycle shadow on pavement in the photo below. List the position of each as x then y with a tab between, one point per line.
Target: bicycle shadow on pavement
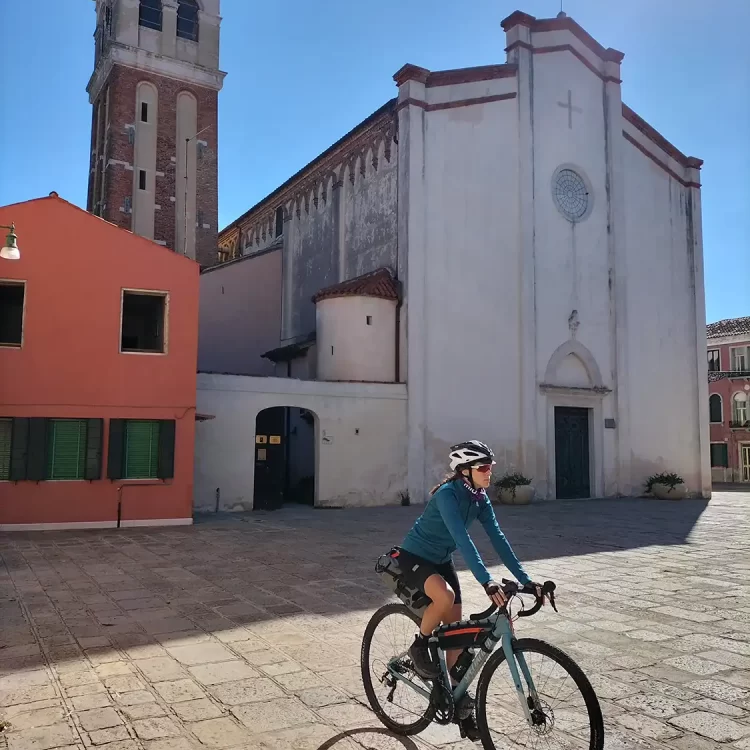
372	738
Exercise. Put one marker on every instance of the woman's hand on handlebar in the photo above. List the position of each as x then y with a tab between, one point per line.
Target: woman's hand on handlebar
495	593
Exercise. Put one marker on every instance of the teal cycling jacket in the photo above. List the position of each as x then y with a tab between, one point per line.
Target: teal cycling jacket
442	529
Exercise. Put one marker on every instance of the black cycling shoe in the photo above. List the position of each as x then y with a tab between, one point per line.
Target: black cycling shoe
465	707
469	729
423	664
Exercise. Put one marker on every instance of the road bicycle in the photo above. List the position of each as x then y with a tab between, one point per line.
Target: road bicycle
537	710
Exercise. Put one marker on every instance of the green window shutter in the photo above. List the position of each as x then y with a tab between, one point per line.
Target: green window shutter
6	431
166	449
116	449
36	460
719	455
66	449
141	449
94	432
19	448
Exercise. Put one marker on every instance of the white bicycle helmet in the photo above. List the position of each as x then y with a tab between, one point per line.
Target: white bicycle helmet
470	453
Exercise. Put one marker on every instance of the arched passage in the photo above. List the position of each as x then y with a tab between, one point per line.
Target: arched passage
285	460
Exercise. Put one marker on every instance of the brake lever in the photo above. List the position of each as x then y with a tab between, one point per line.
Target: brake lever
551	597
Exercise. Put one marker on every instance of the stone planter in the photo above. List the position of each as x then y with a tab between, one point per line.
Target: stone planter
665	492
523	494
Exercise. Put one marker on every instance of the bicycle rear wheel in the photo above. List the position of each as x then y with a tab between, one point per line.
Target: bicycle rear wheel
387	638
569	716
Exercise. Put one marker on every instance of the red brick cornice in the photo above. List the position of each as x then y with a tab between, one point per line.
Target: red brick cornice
564	48
454	76
689	162
454	104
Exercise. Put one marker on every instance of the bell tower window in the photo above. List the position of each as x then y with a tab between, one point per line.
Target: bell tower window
187	20
149	14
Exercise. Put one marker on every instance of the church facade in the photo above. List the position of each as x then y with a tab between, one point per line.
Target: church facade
545	244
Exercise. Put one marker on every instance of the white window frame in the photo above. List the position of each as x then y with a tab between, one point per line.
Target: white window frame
152	293
745	352
735	413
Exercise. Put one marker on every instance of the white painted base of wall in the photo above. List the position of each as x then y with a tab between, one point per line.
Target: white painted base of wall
79	525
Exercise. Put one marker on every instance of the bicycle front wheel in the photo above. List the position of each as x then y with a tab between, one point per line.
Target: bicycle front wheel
566	716
388	636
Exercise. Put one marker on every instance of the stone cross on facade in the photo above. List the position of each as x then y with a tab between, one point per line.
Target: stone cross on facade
569	106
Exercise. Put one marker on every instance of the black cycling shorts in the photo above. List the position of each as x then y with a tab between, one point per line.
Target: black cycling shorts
416	570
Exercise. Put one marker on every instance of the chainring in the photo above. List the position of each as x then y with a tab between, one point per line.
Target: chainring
442	699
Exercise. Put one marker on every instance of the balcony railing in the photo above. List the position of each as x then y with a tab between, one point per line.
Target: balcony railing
714	375
741	425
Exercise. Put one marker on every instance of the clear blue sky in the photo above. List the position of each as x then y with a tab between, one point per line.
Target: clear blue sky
301	74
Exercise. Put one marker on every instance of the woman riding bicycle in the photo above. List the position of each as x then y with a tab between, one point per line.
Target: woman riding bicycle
426	554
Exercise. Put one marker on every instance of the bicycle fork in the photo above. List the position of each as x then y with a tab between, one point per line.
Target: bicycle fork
516	659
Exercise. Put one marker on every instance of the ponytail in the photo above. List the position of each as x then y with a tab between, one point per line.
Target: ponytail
452	477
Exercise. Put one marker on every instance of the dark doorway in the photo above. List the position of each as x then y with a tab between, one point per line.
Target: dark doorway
572	459
284	458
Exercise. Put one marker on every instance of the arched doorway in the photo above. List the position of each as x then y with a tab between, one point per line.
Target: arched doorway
284	457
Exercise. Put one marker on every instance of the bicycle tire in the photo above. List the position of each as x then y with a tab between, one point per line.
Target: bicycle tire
402	729
596	720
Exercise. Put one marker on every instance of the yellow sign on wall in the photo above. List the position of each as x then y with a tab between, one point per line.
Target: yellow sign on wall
261	439
275	440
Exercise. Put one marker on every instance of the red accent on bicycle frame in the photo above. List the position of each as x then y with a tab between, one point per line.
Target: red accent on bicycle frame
463	631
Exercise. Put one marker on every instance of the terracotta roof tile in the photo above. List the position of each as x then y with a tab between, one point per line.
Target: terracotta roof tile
729	327
378	283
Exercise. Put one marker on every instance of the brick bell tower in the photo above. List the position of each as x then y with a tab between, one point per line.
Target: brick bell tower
154	133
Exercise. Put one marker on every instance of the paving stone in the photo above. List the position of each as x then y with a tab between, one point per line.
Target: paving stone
246	691
111	734
99	718
718	690
26	695
646	726
201	653
89	689
123	684
346	715
717	728
40	717
160	669
228	671
180	690
135	698
319	697
220	733
42	738
657	706
718	707
197	710
154	729
172	743
278	714
320	736
143	711
94	700
695	665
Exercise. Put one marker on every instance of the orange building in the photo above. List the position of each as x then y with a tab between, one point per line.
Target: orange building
98	352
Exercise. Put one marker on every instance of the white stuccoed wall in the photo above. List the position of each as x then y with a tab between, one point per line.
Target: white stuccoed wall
495	272
350	349
353	468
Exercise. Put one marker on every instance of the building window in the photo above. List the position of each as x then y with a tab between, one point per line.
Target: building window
149	14
714	360
143	322
739	409
740	357
369	320
719	455
714	409
144	111
6	429
66	449
11	312
37	449
279	221
141	449
187	20
141	179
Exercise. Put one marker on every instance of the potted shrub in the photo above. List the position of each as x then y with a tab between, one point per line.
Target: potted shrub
667	486
513	488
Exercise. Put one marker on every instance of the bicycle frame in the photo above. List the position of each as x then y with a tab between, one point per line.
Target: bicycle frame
502	632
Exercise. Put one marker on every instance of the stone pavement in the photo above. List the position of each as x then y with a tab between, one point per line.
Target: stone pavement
245	631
